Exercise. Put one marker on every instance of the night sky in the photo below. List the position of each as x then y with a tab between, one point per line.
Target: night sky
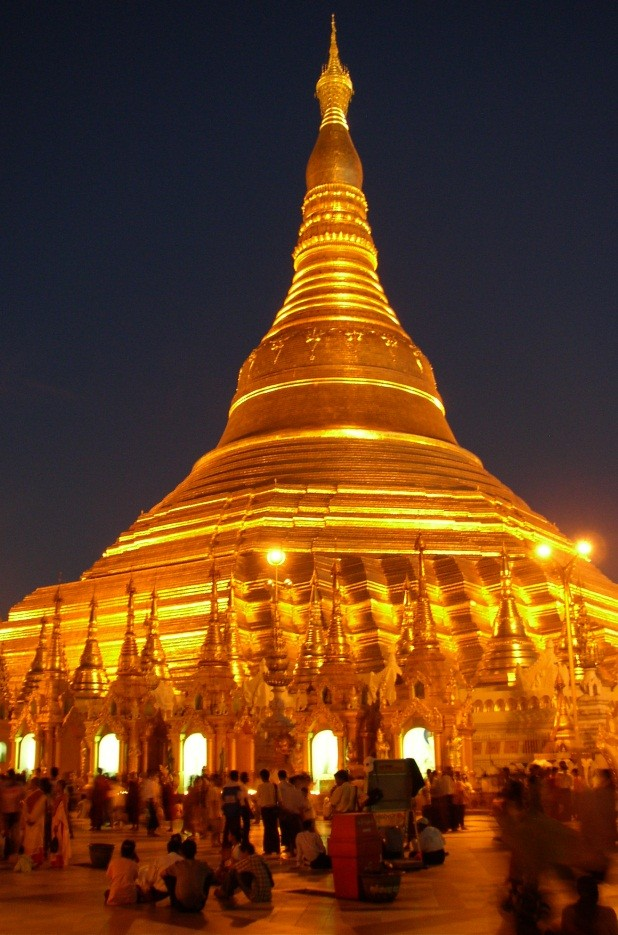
153	161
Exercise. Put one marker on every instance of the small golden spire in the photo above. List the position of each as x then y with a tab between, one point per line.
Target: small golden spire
334	88
129	661
152	658
509	646
90	679
312	651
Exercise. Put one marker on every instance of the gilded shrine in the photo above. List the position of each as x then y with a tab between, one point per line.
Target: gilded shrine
338	578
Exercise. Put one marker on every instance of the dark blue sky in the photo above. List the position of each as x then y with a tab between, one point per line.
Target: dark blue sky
153	171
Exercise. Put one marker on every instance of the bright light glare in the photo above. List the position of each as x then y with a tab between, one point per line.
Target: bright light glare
543	550
275	557
583	547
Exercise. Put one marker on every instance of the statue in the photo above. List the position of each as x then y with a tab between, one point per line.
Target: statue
383	748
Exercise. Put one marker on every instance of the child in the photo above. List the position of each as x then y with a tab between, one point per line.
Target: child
122	872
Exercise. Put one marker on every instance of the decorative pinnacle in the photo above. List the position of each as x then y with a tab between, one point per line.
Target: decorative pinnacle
334	88
505	575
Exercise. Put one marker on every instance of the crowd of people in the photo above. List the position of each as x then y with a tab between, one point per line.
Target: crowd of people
548	817
553	825
36	823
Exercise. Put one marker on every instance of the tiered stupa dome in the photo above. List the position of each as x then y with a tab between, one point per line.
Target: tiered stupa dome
337	447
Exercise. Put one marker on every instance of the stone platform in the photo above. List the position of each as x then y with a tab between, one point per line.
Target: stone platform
459	898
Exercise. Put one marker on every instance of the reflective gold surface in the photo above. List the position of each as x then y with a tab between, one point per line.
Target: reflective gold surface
337	449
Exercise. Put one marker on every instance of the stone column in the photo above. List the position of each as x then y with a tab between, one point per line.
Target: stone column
231	751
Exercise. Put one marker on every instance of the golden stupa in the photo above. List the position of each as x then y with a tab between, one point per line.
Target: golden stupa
409	593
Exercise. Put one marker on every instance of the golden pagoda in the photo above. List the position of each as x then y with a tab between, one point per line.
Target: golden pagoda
414	596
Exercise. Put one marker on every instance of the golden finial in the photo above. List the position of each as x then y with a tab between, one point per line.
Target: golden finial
334	88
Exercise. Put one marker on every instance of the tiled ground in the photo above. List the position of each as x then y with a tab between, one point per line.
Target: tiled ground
459	898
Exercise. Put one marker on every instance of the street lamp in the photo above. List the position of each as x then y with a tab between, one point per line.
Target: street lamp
276	558
583	548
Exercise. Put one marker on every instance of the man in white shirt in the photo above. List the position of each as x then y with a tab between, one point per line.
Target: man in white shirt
344	797
267	799
431	843
310	850
291	805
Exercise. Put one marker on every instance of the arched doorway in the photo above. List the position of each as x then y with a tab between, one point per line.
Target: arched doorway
27	753
418	743
324	757
194	757
109	754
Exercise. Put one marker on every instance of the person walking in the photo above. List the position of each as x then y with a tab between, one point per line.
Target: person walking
267	799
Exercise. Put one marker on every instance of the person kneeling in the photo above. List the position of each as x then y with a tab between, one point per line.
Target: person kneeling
431	843
310	850
251	874
188	881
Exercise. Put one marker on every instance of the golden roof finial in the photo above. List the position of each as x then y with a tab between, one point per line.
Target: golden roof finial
334	88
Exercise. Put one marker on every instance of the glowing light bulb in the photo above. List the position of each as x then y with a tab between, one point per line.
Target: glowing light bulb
543	550
275	557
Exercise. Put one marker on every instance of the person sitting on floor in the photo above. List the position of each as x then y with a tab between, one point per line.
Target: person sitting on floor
122	872
188	881
310	850
250	874
586	917
431	843
153	885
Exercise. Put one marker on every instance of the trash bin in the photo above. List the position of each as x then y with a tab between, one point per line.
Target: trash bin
355	846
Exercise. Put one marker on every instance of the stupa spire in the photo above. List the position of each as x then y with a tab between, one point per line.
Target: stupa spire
213	648
129	661
337	648
38	666
312	652
509	646
152	659
237	662
405	643
5	691
56	665
423	625
336	357
334	88
90	679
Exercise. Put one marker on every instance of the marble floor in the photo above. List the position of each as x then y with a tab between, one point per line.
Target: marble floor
459	898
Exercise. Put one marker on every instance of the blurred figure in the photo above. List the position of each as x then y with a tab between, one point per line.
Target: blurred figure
267	799
60	846
98	801
461	797
430	843
564	793
251	874
33	816
232	799
579	786
151	796
122	873
586	917
344	797
11	795
214	814
188	881
310	850
290	810
246	811
132	803
597	808
151	880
